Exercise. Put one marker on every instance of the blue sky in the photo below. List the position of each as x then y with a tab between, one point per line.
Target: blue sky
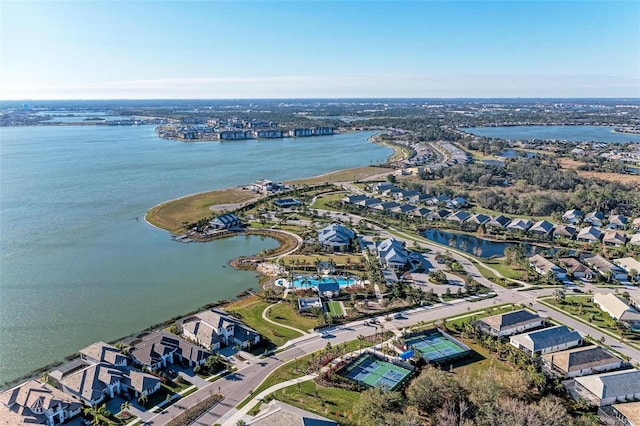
270	49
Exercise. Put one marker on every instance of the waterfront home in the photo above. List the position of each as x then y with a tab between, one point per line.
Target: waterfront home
213	328
392	254
614	238
618	221
542	227
319	131
265	186
573	216
499	222
36	403
267	134
609	388
91	385
576	269
510	323
159	348
233	135
336	237
605	268
594	218
547	340
617	309
589	234
301	132
546	268
564	231
626	414
287	202
581	361
225	221
404	209
439	214
519	225
480	218
102	352
305	304
631	266
459	217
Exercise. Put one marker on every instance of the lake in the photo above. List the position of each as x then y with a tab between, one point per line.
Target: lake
79	264
568	133
467	243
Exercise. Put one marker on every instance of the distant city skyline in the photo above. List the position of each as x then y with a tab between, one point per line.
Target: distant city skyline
306	49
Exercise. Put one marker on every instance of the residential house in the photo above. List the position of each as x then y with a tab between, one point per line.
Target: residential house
392	254
305	304
635	240
519	225
421	212
265	186
510	323
35	403
456	203
547	340
354	199
618	221
631	266
439	214
614	238
459	217
609	388
605	268
617	309
380	187
636	224
336	237
480	218
405	194
102	352
420	198
437	200
225	221
91	385
213	328
279	413
626	414
370	202
542	227
326	268
287	202
328	289
386	206
589	234
595	218
576	269
582	361
635	302
404	209
390	276
573	216
546	268
158	349
564	231
499	222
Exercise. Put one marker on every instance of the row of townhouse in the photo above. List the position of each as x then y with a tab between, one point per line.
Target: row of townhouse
103	371
594	373
583	268
598	218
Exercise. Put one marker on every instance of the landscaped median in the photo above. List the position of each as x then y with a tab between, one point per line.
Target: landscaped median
192	413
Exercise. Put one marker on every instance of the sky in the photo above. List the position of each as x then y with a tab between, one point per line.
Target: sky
306	49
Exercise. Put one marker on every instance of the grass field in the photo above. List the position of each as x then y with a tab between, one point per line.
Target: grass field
342	176
506	270
172	214
286	314
335	309
251	309
322	200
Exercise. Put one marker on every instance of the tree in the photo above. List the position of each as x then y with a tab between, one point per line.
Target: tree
124	406
559	294
143	399
375	404
432	388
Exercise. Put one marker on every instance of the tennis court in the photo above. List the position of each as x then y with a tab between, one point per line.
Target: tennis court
373	372
436	347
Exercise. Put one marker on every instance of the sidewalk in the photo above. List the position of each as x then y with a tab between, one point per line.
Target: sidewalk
232	417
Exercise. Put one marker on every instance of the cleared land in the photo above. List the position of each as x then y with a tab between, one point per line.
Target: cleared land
342	176
568	163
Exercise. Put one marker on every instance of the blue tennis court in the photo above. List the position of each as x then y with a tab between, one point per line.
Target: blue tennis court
373	372
435	347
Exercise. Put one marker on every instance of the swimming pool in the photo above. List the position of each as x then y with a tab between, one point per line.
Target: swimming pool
308	281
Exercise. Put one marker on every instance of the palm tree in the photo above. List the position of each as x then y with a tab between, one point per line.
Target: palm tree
124	406
142	399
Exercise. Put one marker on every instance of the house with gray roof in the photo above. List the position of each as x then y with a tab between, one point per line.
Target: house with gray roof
609	388
277	413
160	348
605	268
499	222
614	238
370	202
573	216
546	268
617	221
589	234
459	217
576	269
547	340
386	206
480	218
214	328
305	304
403	209
225	221
581	361
103	352
439	214
392	254
336	237
328	289
94	383
594	218
542	227
510	323
564	231
519	225
35	403
421	212
354	198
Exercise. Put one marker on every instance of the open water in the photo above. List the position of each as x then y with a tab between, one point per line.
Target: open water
78	262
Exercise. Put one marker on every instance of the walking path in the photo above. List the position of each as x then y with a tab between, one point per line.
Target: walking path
264	317
233	418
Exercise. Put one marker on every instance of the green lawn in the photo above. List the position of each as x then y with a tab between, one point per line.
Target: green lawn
335	309
251	308
322	200
482	361
333	403
286	314
502	267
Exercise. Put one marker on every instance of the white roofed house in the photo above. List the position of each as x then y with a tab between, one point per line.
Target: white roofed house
631	266
589	234
213	328
547	340
158	349
225	221
617	309
614	238
635	240
498	222
609	388
573	216
336	237
564	231
459	217
392	254
635	224
35	403
519	225
618	221
594	218
546	268
103	352
542	227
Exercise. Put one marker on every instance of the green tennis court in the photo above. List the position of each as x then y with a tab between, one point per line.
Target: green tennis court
436	347
335	309
373	372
